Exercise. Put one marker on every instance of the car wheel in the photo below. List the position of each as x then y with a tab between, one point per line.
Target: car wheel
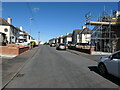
102	69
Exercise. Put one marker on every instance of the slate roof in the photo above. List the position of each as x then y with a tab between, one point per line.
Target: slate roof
4	22
78	30
69	35
86	31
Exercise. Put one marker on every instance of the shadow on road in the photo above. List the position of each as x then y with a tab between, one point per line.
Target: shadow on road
109	77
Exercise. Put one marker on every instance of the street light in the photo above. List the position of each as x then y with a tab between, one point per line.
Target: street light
30	24
38	36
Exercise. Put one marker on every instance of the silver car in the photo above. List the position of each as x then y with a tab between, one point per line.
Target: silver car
61	46
110	64
52	45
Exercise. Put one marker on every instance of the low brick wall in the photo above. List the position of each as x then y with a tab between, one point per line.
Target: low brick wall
71	47
5	50
16	45
21	50
12	49
2	44
84	49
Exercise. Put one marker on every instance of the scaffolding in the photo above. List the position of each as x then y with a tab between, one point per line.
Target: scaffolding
104	36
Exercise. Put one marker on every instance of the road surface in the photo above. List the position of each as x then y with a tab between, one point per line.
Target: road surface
51	68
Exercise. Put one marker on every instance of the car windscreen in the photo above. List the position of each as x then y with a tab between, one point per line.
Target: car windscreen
61	44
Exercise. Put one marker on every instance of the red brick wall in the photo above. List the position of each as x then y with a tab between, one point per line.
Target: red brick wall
12	49
21	50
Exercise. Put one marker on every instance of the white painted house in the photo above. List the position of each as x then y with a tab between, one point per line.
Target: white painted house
76	36
12	32
52	41
85	36
25	38
56	40
22	36
3	39
60	39
68	38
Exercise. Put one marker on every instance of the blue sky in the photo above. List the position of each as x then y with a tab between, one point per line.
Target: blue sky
53	19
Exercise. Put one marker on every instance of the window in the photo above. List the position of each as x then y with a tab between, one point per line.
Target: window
116	56
12	37
6	30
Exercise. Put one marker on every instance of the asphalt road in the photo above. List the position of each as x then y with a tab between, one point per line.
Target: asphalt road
51	68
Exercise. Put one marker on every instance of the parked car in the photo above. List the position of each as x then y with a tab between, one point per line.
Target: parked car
77	45
61	46
110	64
52	45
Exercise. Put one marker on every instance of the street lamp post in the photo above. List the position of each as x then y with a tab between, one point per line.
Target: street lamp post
39	37
30	24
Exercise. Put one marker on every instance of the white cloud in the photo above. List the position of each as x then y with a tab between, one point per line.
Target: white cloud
35	9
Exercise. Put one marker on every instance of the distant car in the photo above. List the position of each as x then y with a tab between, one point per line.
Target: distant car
61	46
110	64
52	45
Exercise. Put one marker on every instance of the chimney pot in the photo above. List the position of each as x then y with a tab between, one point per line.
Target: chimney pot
9	20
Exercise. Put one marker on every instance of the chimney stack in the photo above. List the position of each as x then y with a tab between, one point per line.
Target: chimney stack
9	20
117	13
83	27
61	36
67	33
21	28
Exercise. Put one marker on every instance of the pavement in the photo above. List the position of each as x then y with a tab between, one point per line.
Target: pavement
91	57
7	56
11	66
51	68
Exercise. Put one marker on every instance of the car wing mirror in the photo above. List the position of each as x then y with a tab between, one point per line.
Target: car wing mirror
111	57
